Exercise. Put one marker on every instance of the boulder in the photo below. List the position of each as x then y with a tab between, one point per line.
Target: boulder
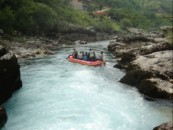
156	88
3	117
155	48
135	76
9	74
136	38
160	63
165	126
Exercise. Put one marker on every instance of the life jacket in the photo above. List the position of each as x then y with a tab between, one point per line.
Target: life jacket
92	54
100	57
85	56
80	56
75	54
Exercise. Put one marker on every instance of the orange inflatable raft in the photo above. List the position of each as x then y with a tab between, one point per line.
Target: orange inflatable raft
83	62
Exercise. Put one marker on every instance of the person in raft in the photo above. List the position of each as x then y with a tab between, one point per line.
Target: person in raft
75	53
100	56
85	57
91	55
80	56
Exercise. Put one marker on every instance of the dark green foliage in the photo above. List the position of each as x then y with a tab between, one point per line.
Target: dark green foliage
43	16
53	3
7	18
39	16
139	19
146	14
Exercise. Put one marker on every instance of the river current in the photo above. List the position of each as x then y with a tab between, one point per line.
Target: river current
60	95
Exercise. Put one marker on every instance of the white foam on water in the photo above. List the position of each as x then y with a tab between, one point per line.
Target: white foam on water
60	95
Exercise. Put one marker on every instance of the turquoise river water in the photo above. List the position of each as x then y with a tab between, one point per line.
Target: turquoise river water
60	95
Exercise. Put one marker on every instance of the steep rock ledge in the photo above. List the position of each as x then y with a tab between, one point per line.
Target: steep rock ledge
165	126
9	79
147	59
148	63
9	74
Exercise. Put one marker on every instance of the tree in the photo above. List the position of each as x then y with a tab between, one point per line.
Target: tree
36	18
7	19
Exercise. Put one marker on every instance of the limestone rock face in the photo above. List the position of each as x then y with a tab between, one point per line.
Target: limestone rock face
148	63
3	117
157	88
165	126
9	74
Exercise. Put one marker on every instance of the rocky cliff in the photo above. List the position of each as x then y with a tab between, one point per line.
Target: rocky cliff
9	74
9	79
147	59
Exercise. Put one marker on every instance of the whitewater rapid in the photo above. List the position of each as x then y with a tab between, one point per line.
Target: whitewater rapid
60	95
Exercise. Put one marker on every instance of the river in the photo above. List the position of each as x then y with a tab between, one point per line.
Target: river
60	95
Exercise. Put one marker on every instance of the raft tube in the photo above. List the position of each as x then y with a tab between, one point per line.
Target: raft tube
83	62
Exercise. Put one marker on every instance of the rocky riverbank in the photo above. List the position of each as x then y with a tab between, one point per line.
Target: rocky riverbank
32	47
39	46
147	59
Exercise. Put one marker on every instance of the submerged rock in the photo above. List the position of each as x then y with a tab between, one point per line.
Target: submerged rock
9	74
3	117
